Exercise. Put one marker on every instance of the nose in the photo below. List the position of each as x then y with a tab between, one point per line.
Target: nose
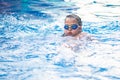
69	28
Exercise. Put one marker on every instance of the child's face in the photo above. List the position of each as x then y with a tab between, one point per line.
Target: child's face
70	31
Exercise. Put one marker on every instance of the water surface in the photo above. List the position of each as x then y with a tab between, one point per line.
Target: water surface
30	35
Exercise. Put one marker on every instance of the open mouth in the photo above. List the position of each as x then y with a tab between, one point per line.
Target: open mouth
69	33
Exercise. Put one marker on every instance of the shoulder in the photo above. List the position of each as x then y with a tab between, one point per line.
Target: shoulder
82	34
85	36
63	35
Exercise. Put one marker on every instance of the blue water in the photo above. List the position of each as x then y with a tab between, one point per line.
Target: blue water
30	38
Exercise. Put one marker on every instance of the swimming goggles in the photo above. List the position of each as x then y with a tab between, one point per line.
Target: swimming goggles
74	26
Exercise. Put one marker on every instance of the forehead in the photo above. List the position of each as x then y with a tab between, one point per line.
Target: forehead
70	20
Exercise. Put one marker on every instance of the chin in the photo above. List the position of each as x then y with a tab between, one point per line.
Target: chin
70	35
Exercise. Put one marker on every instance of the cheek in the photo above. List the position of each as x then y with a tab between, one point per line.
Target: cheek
75	31
65	31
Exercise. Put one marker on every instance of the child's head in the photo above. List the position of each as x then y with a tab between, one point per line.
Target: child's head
73	25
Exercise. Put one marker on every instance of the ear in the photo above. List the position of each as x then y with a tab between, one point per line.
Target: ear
80	28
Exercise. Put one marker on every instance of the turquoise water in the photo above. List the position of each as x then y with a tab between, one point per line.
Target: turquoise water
30	38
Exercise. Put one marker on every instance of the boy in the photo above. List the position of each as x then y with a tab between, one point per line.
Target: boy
73	30
73	26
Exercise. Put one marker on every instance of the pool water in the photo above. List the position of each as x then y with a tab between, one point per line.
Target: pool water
30	38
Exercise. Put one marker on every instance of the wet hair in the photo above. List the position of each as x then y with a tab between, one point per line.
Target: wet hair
76	17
